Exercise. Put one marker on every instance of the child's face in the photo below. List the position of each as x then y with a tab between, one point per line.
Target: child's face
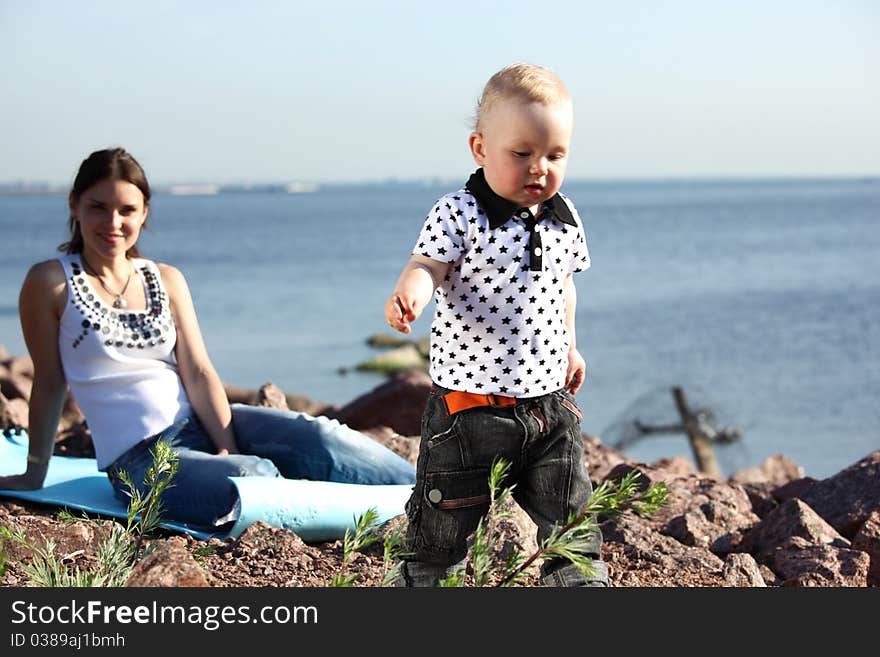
523	149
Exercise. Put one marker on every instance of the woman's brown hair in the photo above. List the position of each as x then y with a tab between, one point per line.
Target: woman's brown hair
108	164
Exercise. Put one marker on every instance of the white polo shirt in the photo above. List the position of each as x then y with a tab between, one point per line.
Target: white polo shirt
500	326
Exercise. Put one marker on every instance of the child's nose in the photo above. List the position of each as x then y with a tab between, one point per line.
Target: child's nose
539	166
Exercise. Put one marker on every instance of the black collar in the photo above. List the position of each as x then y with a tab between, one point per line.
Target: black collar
499	210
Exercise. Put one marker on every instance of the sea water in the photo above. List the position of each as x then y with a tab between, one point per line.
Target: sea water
759	298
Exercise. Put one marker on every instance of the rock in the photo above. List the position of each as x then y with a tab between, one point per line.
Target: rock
643	545
800	563
760	482
761	498
526	531
692	528
677	466
701	511
17	377
76	440
601	460
847	499
770	578
868	540
21	366
71	414
271	396
793	518
171	564
403	446
298	403
718	509
303	404
398	403
13	413
237	395
742	570
797	488
517	532
407	357
83	535
385	340
648	474
15	386
776	471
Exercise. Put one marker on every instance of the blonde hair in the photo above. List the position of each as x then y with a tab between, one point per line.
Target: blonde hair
525	82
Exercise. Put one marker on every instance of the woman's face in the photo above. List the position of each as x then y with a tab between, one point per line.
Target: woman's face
110	215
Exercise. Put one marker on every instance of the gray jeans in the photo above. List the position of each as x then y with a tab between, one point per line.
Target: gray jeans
541	439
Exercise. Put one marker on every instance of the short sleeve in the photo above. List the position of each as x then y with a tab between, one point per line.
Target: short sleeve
581	254
444	232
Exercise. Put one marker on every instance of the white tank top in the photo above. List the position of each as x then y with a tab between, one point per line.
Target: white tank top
120	364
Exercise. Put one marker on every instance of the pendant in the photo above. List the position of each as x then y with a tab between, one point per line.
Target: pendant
119	302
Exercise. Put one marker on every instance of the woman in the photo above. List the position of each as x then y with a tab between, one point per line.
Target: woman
122	332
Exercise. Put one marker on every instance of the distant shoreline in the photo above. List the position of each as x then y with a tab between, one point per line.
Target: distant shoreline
39	188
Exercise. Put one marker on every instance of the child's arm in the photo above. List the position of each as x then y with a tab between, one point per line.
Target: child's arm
577	368
413	291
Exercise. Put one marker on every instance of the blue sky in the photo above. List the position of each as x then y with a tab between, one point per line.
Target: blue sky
354	91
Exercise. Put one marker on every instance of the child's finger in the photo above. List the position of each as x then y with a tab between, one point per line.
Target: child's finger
576	379
407	308
396	315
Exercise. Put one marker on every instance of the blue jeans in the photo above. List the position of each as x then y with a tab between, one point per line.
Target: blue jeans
540	438
273	443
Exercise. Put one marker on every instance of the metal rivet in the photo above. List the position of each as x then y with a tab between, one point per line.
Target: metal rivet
434	495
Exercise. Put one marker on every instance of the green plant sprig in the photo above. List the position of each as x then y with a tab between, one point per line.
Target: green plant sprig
118	553
610	500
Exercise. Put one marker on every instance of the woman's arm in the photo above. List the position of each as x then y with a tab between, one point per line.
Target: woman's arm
203	386
40	304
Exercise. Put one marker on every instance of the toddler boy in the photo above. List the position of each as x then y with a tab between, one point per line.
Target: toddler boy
500	254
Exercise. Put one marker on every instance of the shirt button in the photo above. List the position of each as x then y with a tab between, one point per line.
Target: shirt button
524	214
537	250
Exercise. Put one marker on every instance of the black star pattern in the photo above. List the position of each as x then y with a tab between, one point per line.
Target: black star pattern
491	309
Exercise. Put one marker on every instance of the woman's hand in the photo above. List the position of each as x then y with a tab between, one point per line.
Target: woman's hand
27	481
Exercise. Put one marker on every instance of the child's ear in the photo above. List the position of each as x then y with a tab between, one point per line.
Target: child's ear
478	147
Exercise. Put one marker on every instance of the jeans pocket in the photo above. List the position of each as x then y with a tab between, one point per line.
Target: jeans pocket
568	402
443	449
457	490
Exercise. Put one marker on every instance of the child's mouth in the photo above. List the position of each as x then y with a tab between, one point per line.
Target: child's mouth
534	189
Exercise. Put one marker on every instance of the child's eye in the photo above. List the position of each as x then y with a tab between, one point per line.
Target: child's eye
521	153
557	156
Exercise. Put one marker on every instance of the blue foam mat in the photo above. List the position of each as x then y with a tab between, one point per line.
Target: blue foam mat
315	510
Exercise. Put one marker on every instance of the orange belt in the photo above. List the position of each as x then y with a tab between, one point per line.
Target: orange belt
461	401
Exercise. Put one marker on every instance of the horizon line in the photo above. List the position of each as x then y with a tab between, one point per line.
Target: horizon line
305	185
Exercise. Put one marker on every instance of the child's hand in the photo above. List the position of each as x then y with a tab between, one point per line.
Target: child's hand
400	313
577	371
